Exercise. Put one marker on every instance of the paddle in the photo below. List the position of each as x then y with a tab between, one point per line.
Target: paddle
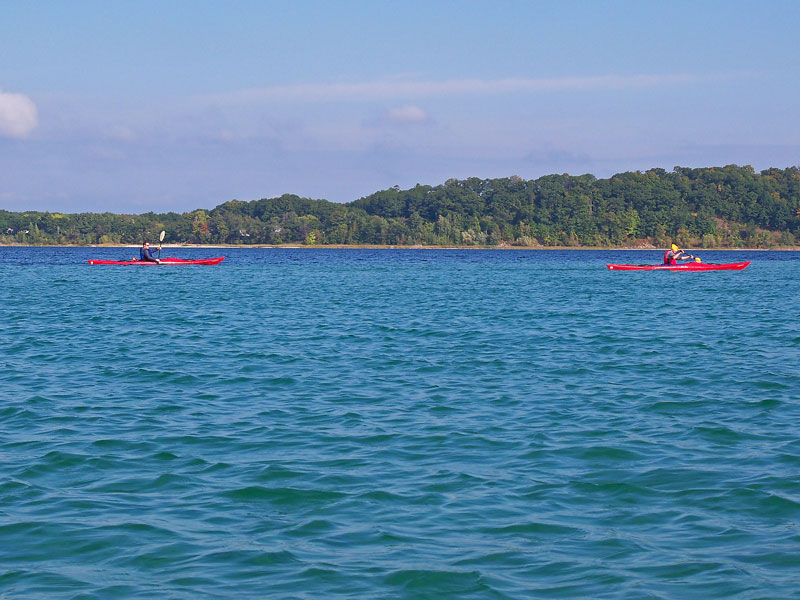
161	239
692	256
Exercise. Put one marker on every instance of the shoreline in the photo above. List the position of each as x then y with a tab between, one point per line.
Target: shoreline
394	247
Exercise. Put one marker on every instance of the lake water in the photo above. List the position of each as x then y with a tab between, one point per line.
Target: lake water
308	423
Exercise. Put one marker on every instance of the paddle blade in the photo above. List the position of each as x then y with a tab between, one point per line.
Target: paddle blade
161	237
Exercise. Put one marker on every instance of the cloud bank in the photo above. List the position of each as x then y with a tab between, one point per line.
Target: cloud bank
383	90
407	114
17	115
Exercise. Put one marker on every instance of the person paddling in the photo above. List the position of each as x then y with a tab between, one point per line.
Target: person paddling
144	254
674	254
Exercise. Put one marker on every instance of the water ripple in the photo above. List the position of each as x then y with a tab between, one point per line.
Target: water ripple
398	424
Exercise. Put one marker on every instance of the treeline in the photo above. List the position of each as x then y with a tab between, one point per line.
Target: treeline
728	206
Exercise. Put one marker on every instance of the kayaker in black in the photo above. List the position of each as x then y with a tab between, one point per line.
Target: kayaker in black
144	254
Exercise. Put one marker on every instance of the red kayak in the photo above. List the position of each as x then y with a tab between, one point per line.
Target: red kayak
164	261
692	266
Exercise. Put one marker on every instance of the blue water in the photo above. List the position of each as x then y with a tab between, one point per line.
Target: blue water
398	424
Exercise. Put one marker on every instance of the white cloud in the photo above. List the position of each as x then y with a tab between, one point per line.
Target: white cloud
407	114
17	115
381	90
120	133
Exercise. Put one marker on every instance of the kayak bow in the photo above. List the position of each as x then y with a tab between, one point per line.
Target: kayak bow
692	266
164	261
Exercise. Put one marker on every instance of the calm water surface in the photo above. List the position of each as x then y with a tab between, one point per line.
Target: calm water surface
398	424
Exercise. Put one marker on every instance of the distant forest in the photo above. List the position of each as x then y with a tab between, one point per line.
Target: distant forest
728	206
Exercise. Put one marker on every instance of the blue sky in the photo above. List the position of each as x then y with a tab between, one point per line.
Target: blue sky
136	106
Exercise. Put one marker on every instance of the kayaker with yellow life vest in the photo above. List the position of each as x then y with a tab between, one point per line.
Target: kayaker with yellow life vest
144	254
674	254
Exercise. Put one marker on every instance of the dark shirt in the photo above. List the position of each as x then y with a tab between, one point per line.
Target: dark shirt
144	254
